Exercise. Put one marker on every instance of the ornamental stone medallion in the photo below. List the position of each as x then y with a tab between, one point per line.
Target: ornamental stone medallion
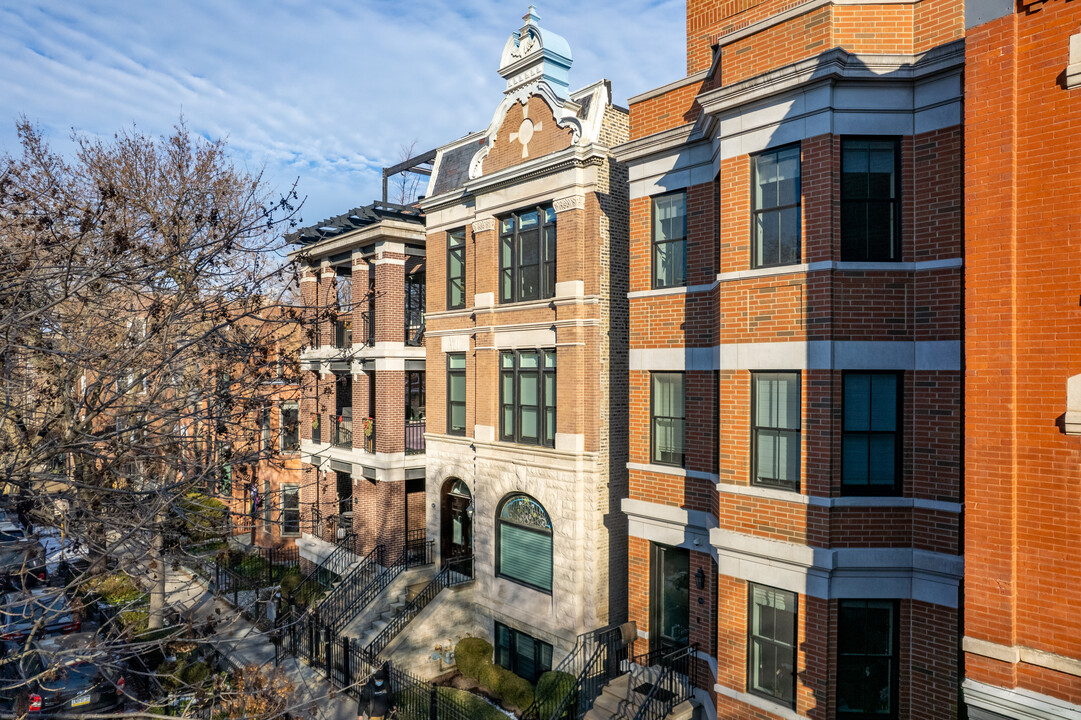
526	130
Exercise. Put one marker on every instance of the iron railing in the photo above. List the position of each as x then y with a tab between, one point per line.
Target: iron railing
414	437
342	598
316	436
412	555
324	574
456	572
343	428
673	686
598	658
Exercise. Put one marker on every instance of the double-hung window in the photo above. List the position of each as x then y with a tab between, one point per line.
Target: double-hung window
667	417
867	659
290	509
527	255
527	396
456	269
289	432
456	394
772	639
777	207
776	427
871	449
524	655
870	199
670	240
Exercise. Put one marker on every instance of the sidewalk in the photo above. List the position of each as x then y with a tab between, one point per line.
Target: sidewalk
245	645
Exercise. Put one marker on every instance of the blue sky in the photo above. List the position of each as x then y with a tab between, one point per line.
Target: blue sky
326	91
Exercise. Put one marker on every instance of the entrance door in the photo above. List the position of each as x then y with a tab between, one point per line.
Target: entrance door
669	597
456	536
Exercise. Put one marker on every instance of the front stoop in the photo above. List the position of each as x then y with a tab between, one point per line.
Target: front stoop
619	701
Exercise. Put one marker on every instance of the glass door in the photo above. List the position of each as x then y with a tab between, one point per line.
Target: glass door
669	597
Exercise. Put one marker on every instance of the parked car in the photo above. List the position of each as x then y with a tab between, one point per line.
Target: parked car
85	680
21	611
11	532
22	565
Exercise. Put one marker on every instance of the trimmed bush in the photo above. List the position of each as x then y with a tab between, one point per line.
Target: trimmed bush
517	691
471	654
552	687
491	677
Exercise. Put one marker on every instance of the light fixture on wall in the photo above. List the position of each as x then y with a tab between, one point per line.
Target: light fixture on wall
700	579
469	512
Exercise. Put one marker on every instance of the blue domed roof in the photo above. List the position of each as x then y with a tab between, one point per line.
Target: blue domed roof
533	52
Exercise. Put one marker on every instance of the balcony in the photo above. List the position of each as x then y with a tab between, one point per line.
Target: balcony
316	437
343	428
368	424
414	437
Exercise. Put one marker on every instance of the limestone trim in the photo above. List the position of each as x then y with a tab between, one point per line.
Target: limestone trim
1073	70
774	709
839	502
920	355
542	325
674	85
484	225
1020	653
669	470
990	702
668	140
669	525
1072	420
574	202
662	292
894	573
511	307
840	266
403	232
833	65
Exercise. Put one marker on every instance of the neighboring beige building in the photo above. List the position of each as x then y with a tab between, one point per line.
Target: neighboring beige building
526	336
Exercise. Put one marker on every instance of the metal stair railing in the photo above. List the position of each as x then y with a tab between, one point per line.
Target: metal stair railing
456	572
339	601
323	573
596	660
675	684
414	554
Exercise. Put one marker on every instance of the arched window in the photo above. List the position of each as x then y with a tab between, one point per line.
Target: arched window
524	543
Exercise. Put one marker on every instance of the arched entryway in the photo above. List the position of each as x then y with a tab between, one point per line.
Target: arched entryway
456	521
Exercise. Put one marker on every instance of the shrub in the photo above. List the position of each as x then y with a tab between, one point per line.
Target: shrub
552	687
115	589
202	518
471	654
517	691
491	677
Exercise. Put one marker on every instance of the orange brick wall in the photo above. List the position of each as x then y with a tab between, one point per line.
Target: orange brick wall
549	138
1022	333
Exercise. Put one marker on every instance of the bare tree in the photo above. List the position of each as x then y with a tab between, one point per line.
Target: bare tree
406	184
141	289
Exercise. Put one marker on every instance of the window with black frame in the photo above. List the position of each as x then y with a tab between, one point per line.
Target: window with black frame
670	240
776	199
456	393
456	269
772	639
527	396
775	410
290	509
527	255
289	431
667	416
524	543
867	659
871	449
415	290
522	654
870	199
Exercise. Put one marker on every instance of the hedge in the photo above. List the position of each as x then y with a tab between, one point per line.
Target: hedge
471	654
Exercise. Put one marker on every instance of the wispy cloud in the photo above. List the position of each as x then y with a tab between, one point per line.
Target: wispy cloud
325	92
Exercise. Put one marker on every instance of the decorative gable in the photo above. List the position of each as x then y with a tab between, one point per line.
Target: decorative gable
528	131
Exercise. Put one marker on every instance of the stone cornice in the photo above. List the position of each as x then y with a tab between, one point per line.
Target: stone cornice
665	140
831	66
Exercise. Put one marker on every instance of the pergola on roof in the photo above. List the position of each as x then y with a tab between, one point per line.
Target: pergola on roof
355	219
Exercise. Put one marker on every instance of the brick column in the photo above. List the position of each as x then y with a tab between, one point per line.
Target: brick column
325	299
390	411
390	298
360	408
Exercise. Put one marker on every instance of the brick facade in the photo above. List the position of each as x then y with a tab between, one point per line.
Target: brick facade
1021	457
821	318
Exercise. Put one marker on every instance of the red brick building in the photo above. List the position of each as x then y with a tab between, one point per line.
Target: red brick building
362	417
1022	634
795	299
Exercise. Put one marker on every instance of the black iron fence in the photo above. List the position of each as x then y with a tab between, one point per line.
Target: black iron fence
368	428
316	435
414	437
351	590
323	575
343	428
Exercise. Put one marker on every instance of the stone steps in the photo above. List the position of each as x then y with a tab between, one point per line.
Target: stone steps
620	701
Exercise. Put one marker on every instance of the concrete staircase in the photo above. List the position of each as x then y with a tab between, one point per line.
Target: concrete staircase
620	701
386	606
